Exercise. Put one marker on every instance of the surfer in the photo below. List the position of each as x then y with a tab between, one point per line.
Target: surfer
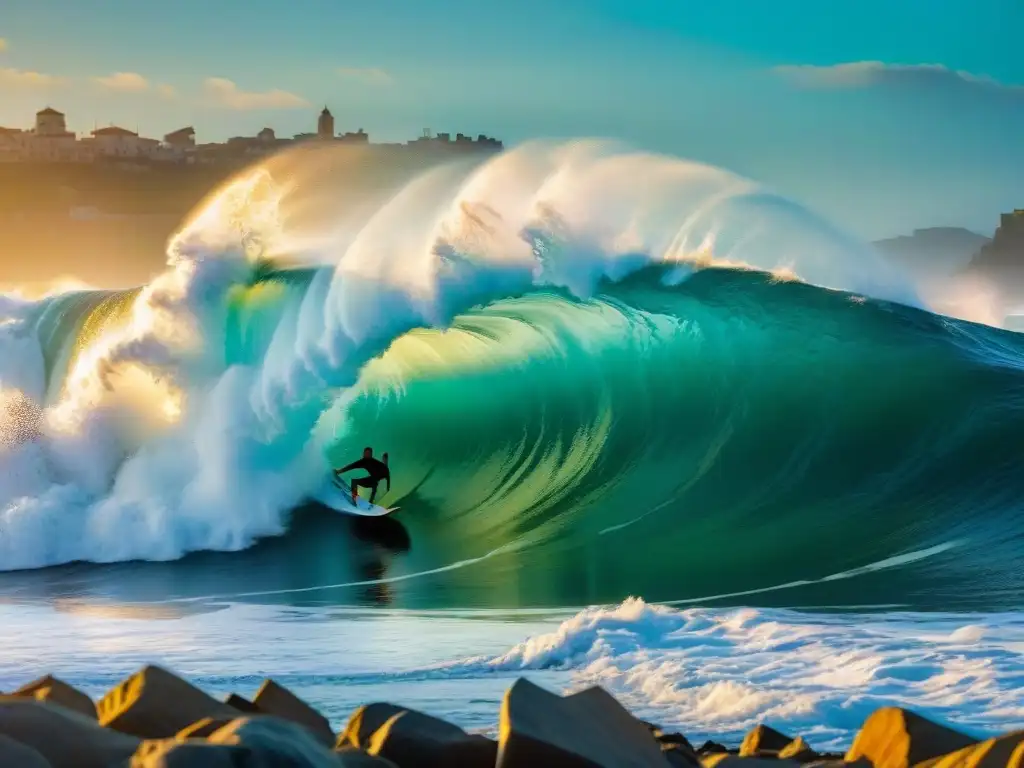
378	470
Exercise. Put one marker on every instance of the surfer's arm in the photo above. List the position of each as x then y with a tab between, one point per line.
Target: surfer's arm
353	465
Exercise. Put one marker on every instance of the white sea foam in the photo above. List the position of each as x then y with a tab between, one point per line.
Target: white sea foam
715	674
154	449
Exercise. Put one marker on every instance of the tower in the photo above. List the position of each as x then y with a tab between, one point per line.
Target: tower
325	125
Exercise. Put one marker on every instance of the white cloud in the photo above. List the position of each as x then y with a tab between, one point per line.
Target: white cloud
226	94
3	44
167	91
863	74
370	75
24	79
123	82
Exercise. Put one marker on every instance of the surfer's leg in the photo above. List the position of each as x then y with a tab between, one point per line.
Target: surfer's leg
373	492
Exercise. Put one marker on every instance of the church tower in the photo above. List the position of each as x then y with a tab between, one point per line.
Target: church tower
325	125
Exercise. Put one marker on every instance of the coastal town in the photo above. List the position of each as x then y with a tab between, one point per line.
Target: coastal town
50	141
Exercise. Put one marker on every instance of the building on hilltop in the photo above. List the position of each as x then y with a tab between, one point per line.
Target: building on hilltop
325	124
267	136
52	124
355	137
116	142
182	138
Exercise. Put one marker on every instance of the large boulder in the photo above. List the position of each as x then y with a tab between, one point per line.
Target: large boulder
276	700
18	755
1006	751
155	704
274	737
586	729
171	753
64	738
241	703
892	737
765	741
798	750
412	739
55	691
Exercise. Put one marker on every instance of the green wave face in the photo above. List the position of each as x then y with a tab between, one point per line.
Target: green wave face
728	435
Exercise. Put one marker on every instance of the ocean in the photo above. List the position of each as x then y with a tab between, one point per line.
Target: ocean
651	426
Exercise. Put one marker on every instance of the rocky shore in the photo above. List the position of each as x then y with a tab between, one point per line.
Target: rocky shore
155	718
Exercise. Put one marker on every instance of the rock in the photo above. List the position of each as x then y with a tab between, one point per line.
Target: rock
734	761
763	740
202	729
363	723
897	738
155	704
355	758
798	750
54	691
999	752
18	755
241	703
276	700
713	748
286	742
61	736
410	738
588	729
170	753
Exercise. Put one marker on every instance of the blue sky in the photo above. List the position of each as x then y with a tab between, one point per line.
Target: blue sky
884	115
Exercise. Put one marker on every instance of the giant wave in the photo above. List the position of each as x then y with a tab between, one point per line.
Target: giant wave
569	347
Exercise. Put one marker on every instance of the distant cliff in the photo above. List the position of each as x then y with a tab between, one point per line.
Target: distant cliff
935	250
1003	256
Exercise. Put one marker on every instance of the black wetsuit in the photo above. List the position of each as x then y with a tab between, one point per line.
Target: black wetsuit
377	470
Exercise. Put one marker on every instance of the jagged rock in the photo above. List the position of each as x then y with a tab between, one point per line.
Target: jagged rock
897	738
155	704
411	739
798	750
720	760
712	748
55	691
241	703
64	738
355	758
202	729
276	700
999	752
170	753
763	740
18	755
363	723
589	729
287	742
679	756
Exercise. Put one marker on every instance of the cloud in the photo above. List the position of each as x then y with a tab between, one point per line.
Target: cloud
865	74
368	75
3	44
123	82
24	79
167	91
226	94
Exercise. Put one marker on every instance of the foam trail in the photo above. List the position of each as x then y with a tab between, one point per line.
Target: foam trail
155	446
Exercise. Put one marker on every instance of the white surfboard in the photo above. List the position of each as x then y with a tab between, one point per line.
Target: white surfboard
337	498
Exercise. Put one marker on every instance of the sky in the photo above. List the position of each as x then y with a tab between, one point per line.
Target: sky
882	115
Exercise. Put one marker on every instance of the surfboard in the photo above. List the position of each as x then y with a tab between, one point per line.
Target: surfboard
340	500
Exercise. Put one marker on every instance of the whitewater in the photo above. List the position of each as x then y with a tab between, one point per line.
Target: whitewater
600	373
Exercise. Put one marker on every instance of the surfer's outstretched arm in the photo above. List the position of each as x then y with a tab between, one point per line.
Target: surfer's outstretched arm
353	465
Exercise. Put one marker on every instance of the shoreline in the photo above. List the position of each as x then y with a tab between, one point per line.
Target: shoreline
156	718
